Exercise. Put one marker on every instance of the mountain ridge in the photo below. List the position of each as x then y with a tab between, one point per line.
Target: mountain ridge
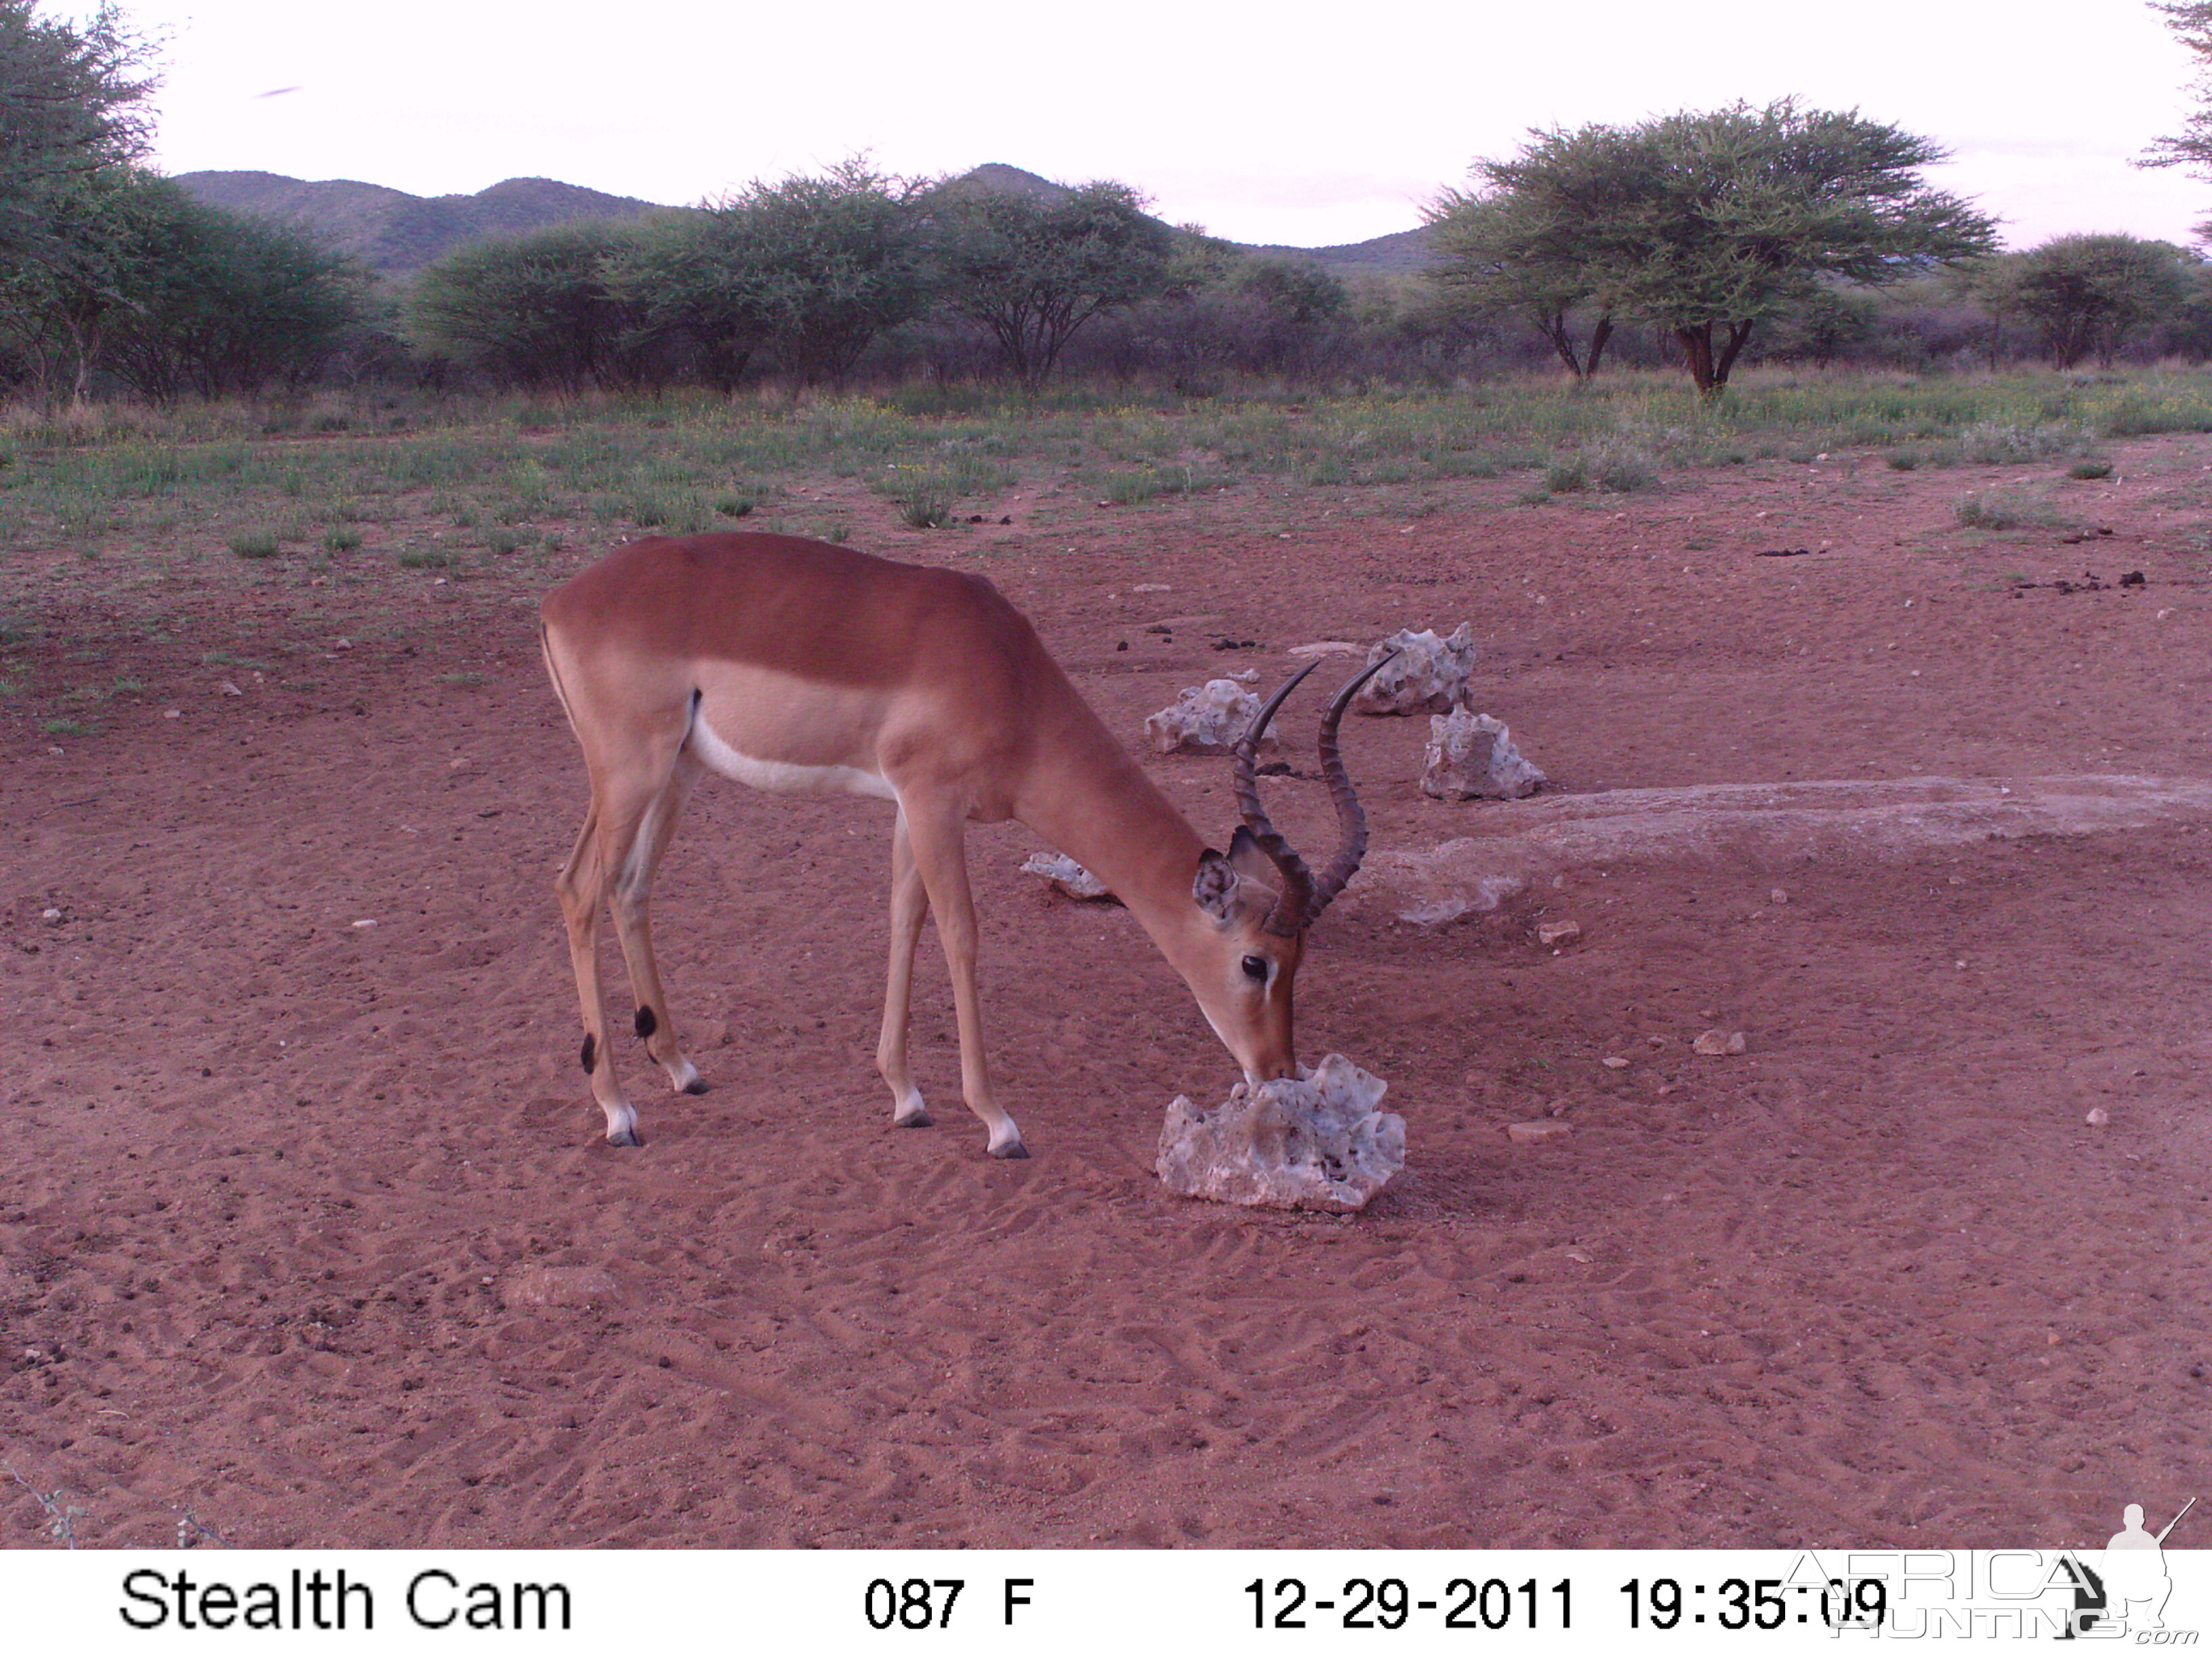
396	234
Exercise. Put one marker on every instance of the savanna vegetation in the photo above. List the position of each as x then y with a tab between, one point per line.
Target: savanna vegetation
477	482
933	344
1704	241
1702	225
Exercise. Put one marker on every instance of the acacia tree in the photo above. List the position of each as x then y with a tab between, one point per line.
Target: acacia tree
1705	224
71	105
71	124
1991	285
2191	148
95	242
2086	295
172	297
1519	246
1034	271
695	274
810	271
1293	314
814	268
1822	328
538	309
223	305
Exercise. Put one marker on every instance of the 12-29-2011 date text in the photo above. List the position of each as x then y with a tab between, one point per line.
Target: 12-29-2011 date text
1392	1604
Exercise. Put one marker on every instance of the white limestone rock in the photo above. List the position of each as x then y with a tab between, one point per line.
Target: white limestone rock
1428	676
1472	758
1315	1142
538	1286
1206	720
1070	877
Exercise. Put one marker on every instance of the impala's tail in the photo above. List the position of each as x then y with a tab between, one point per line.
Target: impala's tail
553	673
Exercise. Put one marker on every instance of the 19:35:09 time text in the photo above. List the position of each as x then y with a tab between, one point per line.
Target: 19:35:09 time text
1758	1604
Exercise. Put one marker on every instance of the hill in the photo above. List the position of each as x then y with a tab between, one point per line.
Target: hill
997	179
1402	252
395	232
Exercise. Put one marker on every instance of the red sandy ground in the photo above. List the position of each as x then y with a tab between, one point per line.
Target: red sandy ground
307	1229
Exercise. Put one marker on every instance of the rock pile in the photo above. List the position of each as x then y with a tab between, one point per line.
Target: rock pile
1428	676
1065	873
1472	758
1315	1142
1206	720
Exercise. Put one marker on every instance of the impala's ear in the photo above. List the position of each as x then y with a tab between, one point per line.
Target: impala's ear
1214	887
1244	854
1222	884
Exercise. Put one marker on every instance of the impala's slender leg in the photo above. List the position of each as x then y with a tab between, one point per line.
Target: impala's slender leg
581	885
909	908
935	837
630	901
622	796
578	878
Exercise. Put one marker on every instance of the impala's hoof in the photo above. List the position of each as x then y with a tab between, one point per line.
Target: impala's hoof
919	1118
1017	1150
698	1086
625	1138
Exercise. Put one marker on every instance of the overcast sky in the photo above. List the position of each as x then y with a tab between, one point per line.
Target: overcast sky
1294	122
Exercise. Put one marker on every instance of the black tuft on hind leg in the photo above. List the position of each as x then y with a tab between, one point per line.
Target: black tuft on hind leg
647	1024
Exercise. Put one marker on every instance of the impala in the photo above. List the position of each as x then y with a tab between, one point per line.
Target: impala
788	664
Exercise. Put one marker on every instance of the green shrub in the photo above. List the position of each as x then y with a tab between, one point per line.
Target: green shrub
925	497
1999	509
678	512
1620	466
1902	460
923	511
537	310
1997	442
2090	470
1130	488
339	539
255	544
1451	464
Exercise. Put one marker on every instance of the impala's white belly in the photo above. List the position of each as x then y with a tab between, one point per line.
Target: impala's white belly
782	774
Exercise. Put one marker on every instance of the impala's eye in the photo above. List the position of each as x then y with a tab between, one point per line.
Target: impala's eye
1256	967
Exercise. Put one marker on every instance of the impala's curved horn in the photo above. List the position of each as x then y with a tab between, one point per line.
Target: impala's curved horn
1349	813
1289	915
